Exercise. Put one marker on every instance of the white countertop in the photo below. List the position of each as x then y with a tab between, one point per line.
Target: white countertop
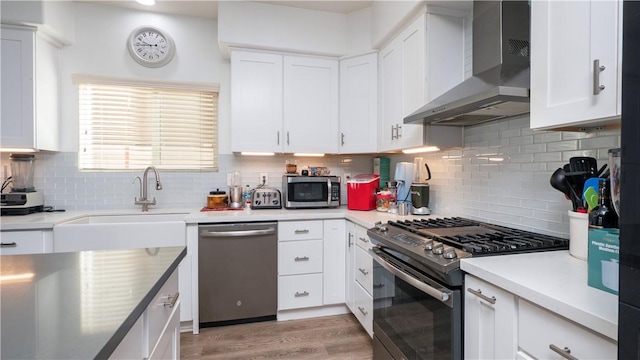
554	280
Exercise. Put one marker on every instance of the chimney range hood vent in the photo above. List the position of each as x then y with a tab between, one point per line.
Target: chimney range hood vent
499	86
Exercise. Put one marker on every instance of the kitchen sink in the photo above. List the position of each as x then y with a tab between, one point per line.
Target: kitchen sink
101	232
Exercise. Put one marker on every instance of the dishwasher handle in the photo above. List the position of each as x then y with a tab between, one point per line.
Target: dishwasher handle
238	233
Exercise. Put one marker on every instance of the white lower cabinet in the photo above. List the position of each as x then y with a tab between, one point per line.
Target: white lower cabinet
22	242
360	280
545	335
490	321
311	263
156	333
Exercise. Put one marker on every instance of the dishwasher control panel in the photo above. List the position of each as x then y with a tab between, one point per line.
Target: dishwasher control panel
266	198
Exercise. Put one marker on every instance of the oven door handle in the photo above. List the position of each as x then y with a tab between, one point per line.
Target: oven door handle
444	297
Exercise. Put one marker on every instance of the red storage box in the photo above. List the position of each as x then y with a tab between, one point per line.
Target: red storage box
361	192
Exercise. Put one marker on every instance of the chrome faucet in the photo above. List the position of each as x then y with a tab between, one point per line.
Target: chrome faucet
143	200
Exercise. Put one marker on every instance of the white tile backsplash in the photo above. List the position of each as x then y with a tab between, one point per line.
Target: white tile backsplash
501	175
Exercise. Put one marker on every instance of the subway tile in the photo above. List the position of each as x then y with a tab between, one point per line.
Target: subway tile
509	133
546	136
533	148
599	142
521	140
547	157
566	155
566	145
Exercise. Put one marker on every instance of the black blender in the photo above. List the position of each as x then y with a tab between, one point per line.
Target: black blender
420	189
23	198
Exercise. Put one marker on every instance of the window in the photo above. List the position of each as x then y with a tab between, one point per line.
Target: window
129	125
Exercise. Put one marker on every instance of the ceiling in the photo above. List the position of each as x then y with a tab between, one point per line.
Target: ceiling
209	8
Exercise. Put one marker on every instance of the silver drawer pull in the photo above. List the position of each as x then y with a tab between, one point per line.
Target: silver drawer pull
478	293
363	271
304	258
363	239
565	353
362	310
597	69
11	244
301	232
299	294
171	300
378	286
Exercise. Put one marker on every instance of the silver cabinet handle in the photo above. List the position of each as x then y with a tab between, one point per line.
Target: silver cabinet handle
444	297
298	232
287	138
342	139
304	258
299	294
478	293
398	133
597	69
363	271
365	240
362	310
171	300
393	129
239	233
278	137
350	237
565	353
8	244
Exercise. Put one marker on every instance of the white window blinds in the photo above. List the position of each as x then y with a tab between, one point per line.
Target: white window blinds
131	125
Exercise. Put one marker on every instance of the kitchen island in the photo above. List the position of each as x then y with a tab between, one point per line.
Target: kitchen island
80	305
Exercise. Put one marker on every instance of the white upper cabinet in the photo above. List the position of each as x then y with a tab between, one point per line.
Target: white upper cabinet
282	103
575	63
256	101
358	104
29	90
310	104
401	87
422	62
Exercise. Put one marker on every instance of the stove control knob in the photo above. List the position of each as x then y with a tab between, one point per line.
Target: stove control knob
428	245
438	248
449	253
380	226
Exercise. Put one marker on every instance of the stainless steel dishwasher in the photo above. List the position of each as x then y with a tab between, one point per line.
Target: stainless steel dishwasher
238	272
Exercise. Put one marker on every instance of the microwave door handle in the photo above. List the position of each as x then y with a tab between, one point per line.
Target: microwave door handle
328	192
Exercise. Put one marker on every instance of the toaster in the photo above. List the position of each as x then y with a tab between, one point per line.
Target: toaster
266	198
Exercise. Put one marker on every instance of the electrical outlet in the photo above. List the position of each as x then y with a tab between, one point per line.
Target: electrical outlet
264	178
229	178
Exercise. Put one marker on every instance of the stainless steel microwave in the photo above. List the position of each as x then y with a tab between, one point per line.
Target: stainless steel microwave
308	192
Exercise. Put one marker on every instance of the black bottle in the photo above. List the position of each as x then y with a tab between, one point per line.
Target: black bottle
603	215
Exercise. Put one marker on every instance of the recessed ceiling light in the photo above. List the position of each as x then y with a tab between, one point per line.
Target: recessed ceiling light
146	2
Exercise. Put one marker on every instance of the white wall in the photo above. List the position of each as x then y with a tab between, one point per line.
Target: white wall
358	33
275	27
388	18
55	18
100	49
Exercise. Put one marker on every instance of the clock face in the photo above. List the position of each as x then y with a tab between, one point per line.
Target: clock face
151	47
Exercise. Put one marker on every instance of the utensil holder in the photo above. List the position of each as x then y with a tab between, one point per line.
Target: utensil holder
578	234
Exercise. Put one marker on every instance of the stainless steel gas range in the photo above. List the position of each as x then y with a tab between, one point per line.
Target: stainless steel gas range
421	316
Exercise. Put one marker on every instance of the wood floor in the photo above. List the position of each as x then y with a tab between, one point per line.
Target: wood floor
333	337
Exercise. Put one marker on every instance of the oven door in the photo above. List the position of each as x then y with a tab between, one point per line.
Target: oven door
414	317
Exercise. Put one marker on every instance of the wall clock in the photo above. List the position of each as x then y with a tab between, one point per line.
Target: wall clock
150	46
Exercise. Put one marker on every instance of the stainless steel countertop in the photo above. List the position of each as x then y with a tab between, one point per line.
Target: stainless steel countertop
78	305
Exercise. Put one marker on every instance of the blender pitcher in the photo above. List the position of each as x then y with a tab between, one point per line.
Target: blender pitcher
22	171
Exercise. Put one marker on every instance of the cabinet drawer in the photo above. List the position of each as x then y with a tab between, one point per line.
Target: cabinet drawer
300	257
363	307
168	346
299	291
159	310
299	230
364	270
539	329
21	242
362	239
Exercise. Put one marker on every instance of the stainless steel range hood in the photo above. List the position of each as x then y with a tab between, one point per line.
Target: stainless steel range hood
499	86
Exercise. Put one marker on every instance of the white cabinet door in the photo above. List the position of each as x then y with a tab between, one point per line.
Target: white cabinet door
18	80
333	289
413	44
310	105
256	101
359	104
350	263
390	95
489	321
568	38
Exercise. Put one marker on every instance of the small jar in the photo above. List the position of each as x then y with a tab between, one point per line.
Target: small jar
217	199
383	198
